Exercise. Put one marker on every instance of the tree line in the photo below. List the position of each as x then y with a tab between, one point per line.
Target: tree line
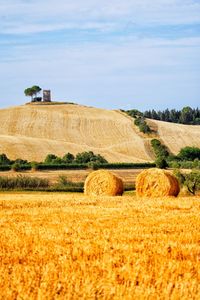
81	161
187	115
52	159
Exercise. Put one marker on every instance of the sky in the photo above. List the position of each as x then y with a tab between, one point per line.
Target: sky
110	54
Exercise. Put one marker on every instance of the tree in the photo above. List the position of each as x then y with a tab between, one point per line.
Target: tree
21	161
68	158
36	89
4	160
50	158
86	157
29	93
186	115
192	181
159	149
134	113
161	163
32	91
189	153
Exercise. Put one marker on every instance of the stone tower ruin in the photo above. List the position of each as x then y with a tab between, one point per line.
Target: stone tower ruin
46	96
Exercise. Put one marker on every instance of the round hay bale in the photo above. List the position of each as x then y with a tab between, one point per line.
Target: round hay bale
103	183
156	183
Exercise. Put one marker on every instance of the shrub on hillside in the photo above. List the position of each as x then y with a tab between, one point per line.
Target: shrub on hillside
159	149
143	126
134	113
189	153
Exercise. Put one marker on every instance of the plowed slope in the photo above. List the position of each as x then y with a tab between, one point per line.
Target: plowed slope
33	131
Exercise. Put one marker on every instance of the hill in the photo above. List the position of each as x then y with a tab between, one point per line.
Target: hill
33	131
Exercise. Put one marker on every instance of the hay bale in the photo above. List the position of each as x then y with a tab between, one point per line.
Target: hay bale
156	183
103	183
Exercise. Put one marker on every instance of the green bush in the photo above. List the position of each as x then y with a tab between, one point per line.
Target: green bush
93	165
4	160
174	164
179	176
21	161
186	164
196	163
50	158
16	167
143	126
191	180
68	158
160	150
189	153
134	113
161	163
86	157
34	166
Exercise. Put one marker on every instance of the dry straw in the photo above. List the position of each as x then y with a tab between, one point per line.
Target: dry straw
156	183
103	183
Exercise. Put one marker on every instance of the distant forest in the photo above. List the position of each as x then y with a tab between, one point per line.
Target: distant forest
187	115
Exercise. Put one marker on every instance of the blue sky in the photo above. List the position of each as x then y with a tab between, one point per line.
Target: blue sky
110	54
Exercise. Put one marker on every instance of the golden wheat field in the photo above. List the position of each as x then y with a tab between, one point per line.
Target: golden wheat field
69	246
33	131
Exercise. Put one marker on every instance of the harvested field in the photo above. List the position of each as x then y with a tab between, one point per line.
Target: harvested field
33	131
177	136
128	176
69	246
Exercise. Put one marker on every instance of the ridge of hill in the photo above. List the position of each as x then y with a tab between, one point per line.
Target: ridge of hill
33	131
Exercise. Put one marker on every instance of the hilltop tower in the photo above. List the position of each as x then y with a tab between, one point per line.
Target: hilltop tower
46	96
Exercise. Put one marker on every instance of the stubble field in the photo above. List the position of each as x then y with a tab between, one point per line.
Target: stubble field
69	246
128	175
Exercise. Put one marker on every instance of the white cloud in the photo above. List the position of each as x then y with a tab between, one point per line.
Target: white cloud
19	17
